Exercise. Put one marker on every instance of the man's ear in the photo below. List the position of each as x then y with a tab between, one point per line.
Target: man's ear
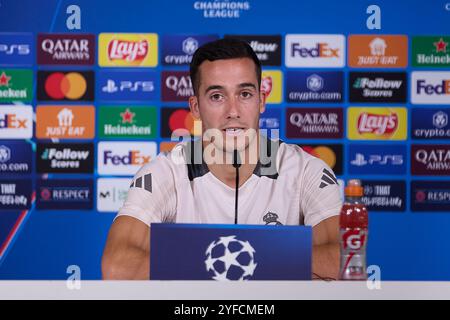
262	101
193	105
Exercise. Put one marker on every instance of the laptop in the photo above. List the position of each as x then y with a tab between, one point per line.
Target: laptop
230	252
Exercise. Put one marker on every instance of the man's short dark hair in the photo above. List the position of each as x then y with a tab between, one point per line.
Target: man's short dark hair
219	50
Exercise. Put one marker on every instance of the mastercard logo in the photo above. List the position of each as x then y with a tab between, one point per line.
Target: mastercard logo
183	119
322	152
70	86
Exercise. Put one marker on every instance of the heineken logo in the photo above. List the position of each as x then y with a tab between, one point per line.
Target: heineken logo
4	79
441	46
127	116
15	85
127	122
430	51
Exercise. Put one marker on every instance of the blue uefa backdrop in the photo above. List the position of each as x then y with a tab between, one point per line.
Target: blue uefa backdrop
407	245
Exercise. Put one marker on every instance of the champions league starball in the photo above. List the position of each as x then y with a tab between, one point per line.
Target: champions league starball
230	259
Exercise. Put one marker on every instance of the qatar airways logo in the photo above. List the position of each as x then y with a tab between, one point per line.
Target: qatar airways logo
377	124
127	50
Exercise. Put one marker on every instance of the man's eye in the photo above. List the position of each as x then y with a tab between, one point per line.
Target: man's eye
246	94
216	97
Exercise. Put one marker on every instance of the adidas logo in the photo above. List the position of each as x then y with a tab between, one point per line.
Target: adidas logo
327	179
147	185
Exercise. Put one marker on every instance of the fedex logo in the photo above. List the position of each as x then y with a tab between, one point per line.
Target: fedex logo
320	50
12	121
124	158
16	122
430	87
133	157
307	50
442	88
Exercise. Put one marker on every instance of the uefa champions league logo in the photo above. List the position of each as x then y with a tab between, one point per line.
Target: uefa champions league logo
230	259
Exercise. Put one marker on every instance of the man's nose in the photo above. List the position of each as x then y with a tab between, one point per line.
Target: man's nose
233	109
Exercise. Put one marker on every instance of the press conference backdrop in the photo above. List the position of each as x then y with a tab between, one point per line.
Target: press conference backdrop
91	90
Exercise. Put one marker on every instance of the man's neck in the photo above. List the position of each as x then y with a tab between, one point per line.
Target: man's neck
226	172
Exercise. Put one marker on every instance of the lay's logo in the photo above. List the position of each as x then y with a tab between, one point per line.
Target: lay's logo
128	50
377	123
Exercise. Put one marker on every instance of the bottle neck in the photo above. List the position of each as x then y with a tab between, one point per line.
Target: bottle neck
353	199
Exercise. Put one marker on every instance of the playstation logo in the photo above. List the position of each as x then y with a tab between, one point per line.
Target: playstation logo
359	161
110	87
314	82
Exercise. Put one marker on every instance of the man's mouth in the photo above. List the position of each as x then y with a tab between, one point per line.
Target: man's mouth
233	131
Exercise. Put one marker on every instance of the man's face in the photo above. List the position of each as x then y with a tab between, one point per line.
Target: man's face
229	100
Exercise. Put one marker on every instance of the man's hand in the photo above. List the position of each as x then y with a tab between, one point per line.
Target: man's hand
127	250
326	251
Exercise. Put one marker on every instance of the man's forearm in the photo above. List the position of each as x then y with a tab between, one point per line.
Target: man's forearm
325	261
129	264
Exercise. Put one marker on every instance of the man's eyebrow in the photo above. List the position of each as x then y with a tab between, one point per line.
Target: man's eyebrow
247	84
215	87
241	85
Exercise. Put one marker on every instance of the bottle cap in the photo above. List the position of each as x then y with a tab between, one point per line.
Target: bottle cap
354	188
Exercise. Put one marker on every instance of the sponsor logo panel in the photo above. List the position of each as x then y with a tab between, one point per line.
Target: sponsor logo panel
430	196
65	158
176	86
178	122
16	49
378	51
384	195
65	122
66	49
124	158
179	49
167	146
15	157
314	123
15	194
127	85
315	50
377	159
430	160
128	50
431	51
430	123
377	87
318	86
271	83
127	122
16	122
65	85
377	123
64	194
331	154
16	85
112	193
269	123
430	87
267	48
